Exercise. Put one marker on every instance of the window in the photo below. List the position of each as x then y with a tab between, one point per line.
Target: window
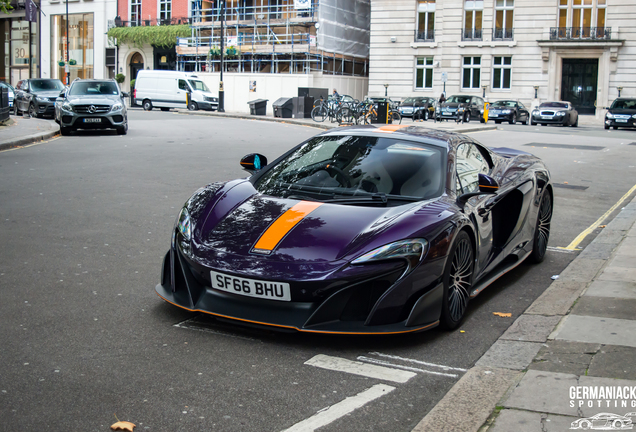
470	162
473	13
504	12
135	12
424	73
80	46
471	73
501	72
425	20
582	18
165	10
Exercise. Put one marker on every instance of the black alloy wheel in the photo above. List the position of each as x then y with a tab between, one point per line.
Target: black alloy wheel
32	111
457	280
542	230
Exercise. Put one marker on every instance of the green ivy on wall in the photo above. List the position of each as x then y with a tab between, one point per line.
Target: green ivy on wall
162	36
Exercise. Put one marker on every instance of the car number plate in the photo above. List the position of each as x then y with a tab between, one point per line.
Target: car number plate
493	115
621	121
546	117
92	120
251	287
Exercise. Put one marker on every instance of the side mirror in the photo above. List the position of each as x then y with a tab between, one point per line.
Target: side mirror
253	162
125	94
487	186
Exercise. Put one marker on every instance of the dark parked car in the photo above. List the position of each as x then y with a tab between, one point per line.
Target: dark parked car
461	108
511	111
622	113
11	92
37	96
92	104
562	113
359	230
418	107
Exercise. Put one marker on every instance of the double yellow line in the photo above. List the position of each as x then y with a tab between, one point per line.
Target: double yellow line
595	225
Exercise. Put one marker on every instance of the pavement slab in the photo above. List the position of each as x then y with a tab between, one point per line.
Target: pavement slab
606	307
509	354
531	328
628	246
614	362
582	270
598	251
597	330
557	299
624	290
620	224
544	392
615	273
619	406
610	236
524	421
565	357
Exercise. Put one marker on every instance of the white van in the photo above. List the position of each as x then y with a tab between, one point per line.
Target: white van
167	89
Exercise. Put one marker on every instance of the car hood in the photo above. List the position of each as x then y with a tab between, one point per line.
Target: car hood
238	217
47	94
452	105
411	104
94	100
622	111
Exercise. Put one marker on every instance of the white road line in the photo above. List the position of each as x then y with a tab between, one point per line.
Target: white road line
417	362
340	409
384	363
359	368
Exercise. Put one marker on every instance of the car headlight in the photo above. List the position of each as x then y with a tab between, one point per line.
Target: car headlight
559	114
42	99
610	115
117	107
412	250
67	106
634	116
535	113
183	224
505	112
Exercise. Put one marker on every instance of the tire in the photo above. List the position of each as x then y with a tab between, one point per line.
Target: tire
319	113
192	106
513	119
123	130
615	127
606	127
426	115
344	115
165	109
65	131
482	120
32	112
526	122
16	111
457	281
498	121
395	118
542	229
543	124
147	105
576	123
532	123
467	117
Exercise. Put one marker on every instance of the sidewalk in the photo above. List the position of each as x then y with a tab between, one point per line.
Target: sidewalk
23	130
570	356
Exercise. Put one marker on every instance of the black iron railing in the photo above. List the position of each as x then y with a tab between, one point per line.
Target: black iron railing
502	34
425	36
472	34
572	33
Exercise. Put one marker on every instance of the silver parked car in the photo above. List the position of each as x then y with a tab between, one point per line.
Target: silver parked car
92	104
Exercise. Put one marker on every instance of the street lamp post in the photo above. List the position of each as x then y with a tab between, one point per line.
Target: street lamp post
619	88
68	58
536	90
386	90
221	107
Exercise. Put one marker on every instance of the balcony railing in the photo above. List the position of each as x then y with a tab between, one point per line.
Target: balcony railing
472	35
153	22
502	34
573	33
425	36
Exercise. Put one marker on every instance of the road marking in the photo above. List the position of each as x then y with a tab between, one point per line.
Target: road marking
186	325
409	368
599	221
359	368
341	409
418	362
558	249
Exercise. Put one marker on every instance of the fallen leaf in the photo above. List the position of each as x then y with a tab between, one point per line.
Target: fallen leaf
123	425
502	314
602	226
565	183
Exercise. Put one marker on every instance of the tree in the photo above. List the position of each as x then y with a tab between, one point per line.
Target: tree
5	6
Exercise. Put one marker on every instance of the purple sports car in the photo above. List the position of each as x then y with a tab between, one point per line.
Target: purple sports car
359	230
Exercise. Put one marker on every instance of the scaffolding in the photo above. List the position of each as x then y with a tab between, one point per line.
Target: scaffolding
278	38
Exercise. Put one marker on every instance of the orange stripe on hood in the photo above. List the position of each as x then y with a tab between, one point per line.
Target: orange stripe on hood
285	222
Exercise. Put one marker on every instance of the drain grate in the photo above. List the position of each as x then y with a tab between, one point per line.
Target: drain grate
565	146
569	186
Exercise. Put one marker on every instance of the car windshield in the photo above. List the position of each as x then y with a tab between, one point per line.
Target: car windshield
458	99
624	104
554	105
503	104
332	168
84	88
46	85
199	85
411	100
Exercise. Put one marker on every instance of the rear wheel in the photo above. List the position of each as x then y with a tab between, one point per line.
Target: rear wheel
344	115
542	230
147	105
457	280
319	113
395	117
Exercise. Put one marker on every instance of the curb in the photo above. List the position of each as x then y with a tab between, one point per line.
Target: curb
500	369
30	139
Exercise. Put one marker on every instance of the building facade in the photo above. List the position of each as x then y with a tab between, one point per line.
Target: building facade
19	44
583	51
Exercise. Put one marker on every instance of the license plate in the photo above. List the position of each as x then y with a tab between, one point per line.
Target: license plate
251	287
493	115
546	117
621	121
92	120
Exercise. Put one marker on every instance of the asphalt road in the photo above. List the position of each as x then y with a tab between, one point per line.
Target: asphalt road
85	221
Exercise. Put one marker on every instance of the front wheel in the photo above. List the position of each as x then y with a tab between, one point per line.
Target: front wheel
513	119
319	113
467	118
147	105
606	127
457	281
192	106
32	111
345	115
65	131
542	229
576	122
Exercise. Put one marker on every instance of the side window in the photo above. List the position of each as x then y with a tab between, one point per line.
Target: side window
470	162
183	85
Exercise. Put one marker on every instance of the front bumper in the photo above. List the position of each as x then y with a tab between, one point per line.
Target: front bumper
448	114
208	106
628	123
351	308
499	117
45	108
106	121
550	120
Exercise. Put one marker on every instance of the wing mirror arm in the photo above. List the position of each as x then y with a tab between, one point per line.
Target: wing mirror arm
487	186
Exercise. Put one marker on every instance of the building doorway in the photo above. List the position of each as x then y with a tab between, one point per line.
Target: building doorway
136	64
579	81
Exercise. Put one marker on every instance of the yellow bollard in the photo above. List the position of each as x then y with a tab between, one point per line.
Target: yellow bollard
486	107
